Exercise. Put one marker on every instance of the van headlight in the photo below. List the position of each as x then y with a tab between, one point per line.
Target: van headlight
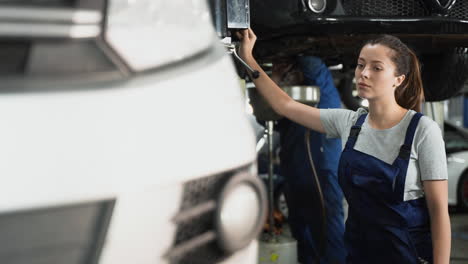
241	211
151	33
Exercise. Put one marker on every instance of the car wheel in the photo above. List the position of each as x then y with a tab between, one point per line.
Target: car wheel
463	192
444	74
280	201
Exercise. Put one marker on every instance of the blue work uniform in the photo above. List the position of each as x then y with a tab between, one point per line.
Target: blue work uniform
381	226
305	217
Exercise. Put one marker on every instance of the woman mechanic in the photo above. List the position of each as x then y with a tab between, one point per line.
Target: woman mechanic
393	168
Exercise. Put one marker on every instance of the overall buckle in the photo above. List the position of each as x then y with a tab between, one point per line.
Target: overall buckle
354	132
405	152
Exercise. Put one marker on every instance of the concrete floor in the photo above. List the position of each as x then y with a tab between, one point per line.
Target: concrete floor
459	223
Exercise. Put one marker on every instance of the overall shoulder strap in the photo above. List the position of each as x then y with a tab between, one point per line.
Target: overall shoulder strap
405	150
354	132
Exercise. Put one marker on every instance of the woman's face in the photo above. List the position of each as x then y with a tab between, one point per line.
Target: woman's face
375	73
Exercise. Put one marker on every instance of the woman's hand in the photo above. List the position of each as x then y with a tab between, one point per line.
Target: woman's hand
247	38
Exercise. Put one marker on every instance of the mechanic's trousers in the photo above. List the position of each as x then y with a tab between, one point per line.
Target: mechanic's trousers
305	217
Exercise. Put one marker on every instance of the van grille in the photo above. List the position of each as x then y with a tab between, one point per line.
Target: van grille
73	234
63	4
459	10
195	240
14	56
39	3
399	8
385	8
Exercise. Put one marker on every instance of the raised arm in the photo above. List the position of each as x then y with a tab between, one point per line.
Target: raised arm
280	101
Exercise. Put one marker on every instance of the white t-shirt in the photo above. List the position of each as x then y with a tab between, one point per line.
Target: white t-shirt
427	161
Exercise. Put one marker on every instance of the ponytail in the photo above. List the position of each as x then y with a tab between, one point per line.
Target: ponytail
410	94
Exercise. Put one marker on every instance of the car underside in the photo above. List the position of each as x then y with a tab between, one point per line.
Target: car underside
435	30
336	29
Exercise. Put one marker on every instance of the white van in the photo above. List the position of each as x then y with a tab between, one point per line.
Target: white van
123	136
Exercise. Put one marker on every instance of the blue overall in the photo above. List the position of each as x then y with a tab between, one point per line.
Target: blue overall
305	217
381	226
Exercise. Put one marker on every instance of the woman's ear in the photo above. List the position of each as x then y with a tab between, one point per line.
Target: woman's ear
399	80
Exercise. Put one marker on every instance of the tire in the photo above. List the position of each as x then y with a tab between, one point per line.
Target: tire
462	192
345	88
444	74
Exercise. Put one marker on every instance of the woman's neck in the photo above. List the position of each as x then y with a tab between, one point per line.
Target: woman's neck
384	115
